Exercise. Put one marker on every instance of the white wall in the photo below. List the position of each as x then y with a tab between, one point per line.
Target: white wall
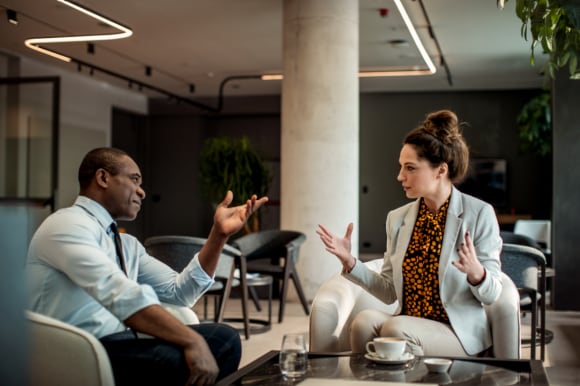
85	119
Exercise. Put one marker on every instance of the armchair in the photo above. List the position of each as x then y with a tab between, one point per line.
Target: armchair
61	354
338	301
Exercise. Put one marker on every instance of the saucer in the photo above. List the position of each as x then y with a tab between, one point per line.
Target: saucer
406	357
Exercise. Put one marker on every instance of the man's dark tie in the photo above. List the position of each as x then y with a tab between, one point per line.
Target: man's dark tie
119	247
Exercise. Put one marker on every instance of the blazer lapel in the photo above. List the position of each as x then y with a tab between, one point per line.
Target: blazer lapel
403	239
452	230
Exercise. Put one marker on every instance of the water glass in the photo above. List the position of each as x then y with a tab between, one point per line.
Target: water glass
293	356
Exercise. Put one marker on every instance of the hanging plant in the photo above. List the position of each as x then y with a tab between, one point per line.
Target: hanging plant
232	164
535	126
555	25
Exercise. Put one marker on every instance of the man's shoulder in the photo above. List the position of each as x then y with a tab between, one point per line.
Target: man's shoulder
64	219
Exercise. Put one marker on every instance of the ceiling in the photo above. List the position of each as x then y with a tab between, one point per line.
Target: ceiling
203	42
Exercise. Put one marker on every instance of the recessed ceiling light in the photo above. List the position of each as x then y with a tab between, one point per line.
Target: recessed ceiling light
399	43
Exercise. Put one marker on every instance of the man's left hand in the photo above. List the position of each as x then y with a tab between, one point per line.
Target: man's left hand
228	220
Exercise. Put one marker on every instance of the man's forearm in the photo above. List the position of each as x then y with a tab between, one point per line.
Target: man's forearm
211	251
156	321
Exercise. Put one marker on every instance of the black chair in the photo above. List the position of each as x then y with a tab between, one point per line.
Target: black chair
515	238
274	253
177	252
526	266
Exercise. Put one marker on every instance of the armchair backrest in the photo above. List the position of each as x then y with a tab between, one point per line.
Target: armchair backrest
177	252
273	244
522	264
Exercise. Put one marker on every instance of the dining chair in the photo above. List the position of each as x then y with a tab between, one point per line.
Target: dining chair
275	253
526	266
177	252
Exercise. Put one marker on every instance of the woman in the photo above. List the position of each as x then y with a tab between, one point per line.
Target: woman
442	255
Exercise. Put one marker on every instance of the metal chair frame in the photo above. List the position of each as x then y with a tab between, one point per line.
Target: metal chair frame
530	285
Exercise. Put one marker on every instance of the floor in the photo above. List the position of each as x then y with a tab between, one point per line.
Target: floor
562	361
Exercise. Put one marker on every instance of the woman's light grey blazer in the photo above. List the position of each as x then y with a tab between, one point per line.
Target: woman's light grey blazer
462	301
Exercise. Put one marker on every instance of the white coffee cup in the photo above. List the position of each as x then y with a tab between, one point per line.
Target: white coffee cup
387	347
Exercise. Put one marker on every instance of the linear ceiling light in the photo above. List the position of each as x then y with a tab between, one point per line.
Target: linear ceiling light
398	71
34	43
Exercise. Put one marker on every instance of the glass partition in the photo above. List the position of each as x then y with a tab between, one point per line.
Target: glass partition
29	139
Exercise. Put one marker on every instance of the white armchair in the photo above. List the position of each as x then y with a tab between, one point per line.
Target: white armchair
63	355
338	301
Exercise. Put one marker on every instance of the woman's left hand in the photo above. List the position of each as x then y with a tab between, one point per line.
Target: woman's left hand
468	261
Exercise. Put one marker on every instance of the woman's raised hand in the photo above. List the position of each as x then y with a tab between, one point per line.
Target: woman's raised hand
338	246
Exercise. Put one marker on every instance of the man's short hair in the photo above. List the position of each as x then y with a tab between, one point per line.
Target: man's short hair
101	158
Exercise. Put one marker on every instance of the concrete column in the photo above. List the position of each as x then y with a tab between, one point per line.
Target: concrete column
320	129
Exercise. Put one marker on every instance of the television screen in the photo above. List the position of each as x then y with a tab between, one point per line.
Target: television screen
487	180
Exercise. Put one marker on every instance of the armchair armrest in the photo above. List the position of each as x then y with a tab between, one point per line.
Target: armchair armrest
504	317
61	354
186	315
335	305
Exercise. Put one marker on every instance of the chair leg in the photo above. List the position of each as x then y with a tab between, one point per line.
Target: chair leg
534	326
543	314
300	292
205	307
283	293
244	285
226	295
255	298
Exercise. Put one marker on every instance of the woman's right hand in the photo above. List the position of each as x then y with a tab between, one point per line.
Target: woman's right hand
339	247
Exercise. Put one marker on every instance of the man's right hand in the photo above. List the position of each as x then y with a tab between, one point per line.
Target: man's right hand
154	320
202	365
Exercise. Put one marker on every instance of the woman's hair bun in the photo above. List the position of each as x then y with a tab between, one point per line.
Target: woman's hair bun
438	139
442	124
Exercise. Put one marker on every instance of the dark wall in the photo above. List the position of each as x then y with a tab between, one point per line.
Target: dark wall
566	224
176	134
167	145
490	130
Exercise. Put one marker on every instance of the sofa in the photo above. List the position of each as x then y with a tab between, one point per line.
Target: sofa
63	355
339	300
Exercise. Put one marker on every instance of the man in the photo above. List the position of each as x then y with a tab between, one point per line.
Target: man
77	275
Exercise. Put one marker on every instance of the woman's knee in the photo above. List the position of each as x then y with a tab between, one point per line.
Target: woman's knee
395	327
364	327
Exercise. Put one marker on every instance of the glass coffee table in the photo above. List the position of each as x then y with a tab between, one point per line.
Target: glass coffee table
346	368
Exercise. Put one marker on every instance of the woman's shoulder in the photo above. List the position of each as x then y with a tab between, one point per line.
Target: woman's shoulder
476	206
473	201
402	210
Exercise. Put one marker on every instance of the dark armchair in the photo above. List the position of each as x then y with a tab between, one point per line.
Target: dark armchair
275	253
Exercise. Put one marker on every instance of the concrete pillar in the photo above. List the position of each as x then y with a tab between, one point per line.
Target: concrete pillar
320	129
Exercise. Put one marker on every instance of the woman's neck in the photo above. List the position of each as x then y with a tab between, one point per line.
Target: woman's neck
436	201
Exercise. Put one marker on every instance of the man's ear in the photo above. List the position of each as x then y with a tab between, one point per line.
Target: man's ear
101	176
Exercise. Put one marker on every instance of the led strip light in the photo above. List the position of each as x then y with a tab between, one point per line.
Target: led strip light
431	69
34	43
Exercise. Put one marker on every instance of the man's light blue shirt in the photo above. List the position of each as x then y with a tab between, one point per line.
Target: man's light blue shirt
74	273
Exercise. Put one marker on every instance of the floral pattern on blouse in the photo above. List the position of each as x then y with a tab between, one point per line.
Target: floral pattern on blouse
421	266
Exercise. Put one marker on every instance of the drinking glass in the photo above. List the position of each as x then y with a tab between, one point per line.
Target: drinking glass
293	356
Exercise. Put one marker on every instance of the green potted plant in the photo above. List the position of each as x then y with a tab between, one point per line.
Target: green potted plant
555	24
535	126
228	163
